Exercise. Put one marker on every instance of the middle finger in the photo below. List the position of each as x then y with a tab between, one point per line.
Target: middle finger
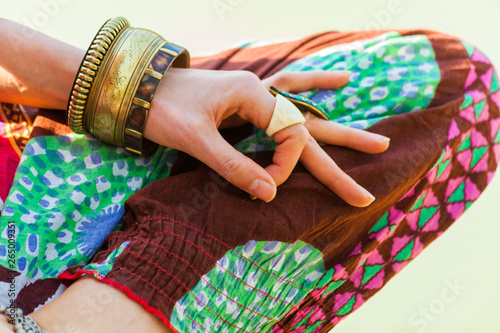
324	169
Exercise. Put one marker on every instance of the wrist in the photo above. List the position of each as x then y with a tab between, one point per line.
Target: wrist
5	327
57	89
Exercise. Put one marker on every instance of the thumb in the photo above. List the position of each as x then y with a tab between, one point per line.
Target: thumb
235	167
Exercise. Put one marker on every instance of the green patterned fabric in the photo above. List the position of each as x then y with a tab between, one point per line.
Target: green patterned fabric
269	266
68	195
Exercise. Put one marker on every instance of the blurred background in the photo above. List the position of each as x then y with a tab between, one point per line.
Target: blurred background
453	286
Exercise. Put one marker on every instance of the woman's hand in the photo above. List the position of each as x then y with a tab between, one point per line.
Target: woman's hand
190	105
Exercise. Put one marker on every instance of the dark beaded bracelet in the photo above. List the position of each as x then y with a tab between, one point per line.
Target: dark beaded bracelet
169	55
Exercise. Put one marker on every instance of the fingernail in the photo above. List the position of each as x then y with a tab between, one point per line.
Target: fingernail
253	197
263	190
368	194
380	137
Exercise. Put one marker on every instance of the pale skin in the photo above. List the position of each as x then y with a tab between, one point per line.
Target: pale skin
196	104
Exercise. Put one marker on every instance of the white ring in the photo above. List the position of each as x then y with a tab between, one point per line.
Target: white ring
285	114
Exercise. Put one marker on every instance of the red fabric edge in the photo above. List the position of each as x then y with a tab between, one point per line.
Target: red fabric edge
66	276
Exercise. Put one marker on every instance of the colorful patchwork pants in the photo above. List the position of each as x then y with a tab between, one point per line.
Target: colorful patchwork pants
202	256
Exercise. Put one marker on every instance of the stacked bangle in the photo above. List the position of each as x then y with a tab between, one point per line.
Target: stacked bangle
88	69
117	81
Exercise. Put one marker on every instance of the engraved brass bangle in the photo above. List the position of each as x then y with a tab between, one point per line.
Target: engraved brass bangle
91	63
115	86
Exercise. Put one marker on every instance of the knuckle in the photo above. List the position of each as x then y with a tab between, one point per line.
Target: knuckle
230	169
311	120
187	129
303	136
282	80
248	79
297	135
334	182
312	142
313	146
192	125
247	82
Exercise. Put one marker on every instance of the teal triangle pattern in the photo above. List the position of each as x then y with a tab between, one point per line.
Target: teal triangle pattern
469	48
477	153
459	194
465	144
370	271
405	253
497	138
381	223
468	100
347	308
442	167
478	108
495	86
419	203
426	214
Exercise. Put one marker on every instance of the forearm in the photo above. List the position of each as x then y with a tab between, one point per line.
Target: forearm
89	305
36	70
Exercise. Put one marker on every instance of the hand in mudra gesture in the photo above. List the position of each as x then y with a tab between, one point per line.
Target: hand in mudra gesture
191	104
